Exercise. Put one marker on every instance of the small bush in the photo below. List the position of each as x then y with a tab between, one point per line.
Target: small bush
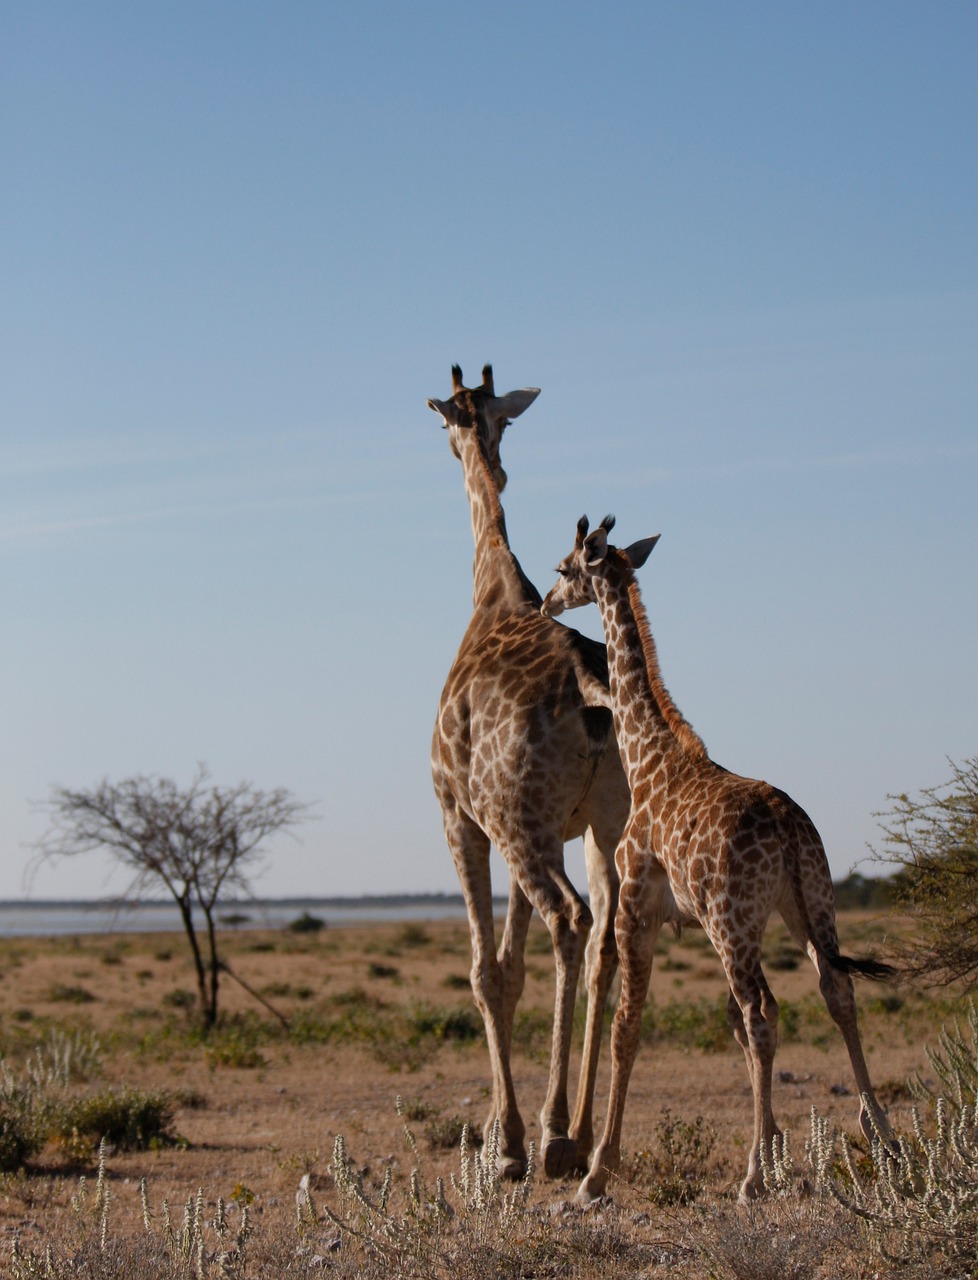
129	1119
700	1024
234	1043
414	935
674	1171
446	1132
306	923
447	1024
62	993
180	998
457	982
20	1133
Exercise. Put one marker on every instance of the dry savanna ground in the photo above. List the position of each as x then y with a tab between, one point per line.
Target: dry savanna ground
377	1012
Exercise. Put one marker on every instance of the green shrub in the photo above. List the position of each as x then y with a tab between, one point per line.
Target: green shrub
457	982
129	1119
413	935
306	923
62	993
180	998
21	1135
675	1169
447	1024
700	1024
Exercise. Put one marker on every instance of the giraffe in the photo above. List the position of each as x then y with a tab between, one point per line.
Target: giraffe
524	758
704	846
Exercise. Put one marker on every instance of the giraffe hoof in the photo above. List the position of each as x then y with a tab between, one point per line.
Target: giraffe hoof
511	1168
590	1192
751	1190
559	1157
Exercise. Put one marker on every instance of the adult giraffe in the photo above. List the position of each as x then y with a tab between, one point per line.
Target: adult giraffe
705	846
524	758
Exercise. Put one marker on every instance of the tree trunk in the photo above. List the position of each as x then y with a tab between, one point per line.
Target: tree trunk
208	1012
215	964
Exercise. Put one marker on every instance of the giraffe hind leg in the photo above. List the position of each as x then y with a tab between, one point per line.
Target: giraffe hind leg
600	966
568	920
759	1019
835	985
470	852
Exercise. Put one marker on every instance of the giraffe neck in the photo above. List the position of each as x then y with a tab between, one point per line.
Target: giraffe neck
644	711
498	578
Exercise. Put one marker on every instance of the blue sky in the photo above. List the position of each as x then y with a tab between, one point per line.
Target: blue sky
243	243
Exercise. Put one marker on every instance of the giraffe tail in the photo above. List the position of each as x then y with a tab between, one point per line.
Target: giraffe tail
874	969
803	828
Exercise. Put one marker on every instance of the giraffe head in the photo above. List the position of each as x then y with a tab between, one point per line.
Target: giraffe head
576	573
480	410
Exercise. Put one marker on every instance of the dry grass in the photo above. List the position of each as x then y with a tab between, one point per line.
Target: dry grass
380	1012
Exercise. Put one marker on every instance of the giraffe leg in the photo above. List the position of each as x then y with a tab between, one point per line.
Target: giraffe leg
470	851
512	966
836	988
568	919
637	925
759	1014
600	965
735	1020
837	992
512	951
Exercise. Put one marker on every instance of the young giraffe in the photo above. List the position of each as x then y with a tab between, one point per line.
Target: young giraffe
524	758
702	846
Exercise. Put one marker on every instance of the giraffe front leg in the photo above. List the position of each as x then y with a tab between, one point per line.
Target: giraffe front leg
636	930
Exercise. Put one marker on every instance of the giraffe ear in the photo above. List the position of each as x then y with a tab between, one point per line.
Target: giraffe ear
639	552
512	404
596	546
447	409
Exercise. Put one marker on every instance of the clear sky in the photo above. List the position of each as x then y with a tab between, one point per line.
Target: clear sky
733	243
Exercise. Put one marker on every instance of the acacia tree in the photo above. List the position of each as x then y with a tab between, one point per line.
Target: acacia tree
933	840
199	842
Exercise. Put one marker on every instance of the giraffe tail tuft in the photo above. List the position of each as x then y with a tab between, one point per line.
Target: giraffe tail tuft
874	969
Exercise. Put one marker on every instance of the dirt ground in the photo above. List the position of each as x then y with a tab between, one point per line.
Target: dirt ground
257	1113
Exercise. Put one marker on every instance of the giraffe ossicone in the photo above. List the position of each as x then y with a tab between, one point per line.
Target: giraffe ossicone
524	759
705	846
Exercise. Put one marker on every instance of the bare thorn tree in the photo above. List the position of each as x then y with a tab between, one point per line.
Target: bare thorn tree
199	842
933	841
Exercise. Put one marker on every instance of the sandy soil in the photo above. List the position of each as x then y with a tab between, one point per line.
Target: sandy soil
256	1129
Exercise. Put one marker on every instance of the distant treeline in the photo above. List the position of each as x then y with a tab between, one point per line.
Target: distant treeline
855	891
865	892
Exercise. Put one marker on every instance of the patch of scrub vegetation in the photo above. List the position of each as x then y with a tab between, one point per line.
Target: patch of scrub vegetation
65	993
906	1209
44	1102
700	1024
677	1166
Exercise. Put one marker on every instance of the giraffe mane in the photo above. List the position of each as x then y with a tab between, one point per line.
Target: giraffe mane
687	737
